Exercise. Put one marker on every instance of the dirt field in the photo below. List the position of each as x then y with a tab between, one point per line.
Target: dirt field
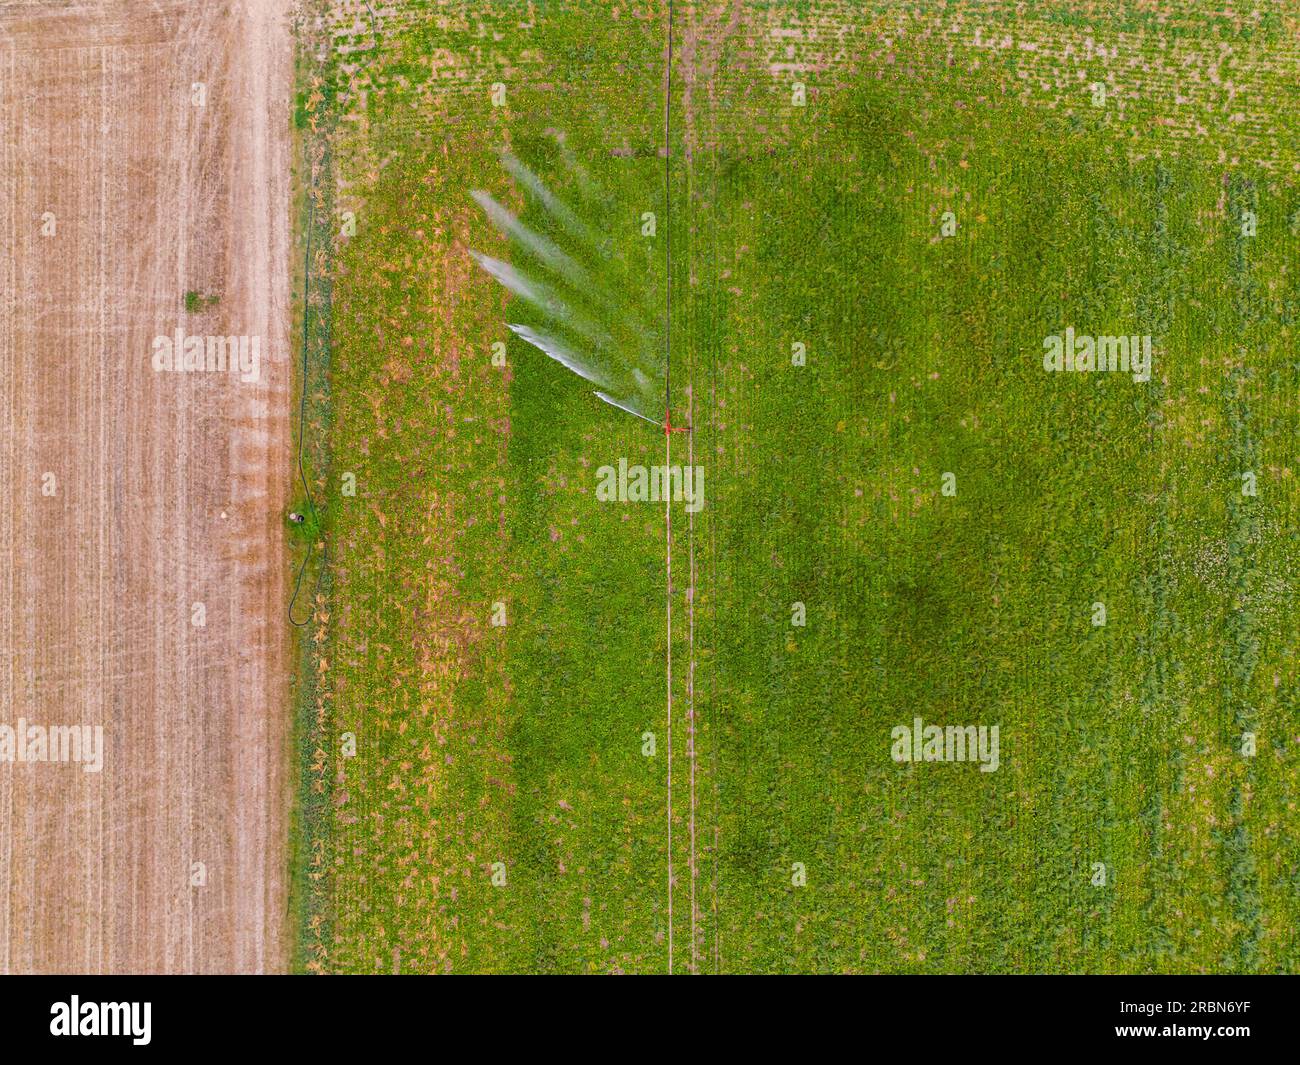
168	488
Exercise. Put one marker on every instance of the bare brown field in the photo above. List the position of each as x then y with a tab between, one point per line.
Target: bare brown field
169	487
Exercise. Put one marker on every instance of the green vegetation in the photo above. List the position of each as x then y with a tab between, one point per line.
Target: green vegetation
197	302
1125	830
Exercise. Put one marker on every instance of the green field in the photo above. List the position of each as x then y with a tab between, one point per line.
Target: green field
499	811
